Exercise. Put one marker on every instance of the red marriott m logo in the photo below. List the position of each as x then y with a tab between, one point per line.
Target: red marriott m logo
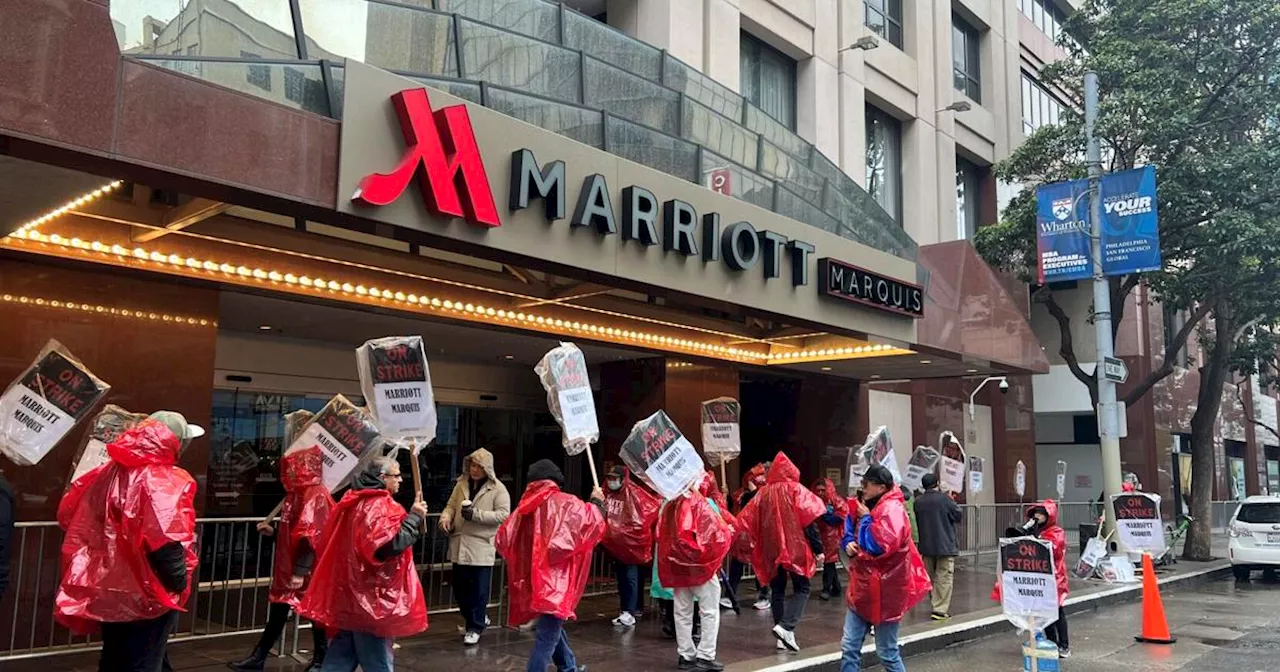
443	144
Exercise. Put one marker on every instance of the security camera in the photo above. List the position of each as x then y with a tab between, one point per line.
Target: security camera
1004	386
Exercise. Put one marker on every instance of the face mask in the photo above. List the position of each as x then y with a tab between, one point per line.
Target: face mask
615	485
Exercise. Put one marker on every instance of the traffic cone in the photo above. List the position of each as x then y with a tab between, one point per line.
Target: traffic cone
1155	627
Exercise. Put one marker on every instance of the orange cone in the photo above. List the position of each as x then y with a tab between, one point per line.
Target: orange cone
1155	627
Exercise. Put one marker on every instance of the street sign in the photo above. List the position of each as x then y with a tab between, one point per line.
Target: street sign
1114	370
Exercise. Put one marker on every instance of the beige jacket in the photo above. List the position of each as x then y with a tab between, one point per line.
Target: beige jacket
471	541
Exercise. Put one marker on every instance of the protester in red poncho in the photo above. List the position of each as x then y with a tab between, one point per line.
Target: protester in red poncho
782	521
886	575
365	586
128	551
740	551
831	528
547	544
1042	522
694	535
630	515
303	516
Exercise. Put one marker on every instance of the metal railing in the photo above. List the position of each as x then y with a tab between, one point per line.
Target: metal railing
234	577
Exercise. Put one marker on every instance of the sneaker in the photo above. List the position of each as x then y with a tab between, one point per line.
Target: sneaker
1064	653
938	616
787	637
625	620
725	603
487	622
683	663
704	665
824	596
761	605
471	639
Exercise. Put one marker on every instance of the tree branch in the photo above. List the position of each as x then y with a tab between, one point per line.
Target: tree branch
1249	416
1066	343
1171	350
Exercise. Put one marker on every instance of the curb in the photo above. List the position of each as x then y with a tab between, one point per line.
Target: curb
937	638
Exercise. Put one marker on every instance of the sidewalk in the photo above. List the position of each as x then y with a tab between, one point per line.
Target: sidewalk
745	642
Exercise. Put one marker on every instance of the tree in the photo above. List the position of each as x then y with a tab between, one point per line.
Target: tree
1192	87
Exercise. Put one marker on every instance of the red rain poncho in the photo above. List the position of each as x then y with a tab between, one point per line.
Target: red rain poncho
692	538
306	509
113	516
547	543
743	547
883	588
826	491
775	519
1054	534
630	514
350	589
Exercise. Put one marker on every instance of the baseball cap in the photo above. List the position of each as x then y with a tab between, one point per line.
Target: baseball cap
878	473
178	425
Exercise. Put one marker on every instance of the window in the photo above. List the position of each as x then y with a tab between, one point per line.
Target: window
965	63
768	79
967	180
1174	320
884	161
1039	107
1259	514
885	18
257	75
1045	15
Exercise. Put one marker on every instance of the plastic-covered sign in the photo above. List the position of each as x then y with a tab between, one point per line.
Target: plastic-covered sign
347	436
295	422
1020	479
105	427
976	468
1060	481
1094	552
951	467
43	405
661	456
721	431
1138	522
563	372
396	384
923	461
1028	582
879	450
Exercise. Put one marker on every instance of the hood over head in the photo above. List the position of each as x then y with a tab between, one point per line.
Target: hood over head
1050	508
302	469
756	474
546	470
482	457
150	442
783	470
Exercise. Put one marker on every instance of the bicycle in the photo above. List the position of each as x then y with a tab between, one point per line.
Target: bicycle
1174	534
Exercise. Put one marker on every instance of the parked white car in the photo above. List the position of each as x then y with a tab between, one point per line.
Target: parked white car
1254	536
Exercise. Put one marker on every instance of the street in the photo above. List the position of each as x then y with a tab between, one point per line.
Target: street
1222	627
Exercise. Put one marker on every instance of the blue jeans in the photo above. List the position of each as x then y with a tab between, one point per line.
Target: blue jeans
550	644
349	649
628	587
855	630
471	589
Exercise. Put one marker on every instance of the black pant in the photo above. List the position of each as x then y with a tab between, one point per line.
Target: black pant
788	611
1057	633
471	590
136	646
830	579
277	619
736	568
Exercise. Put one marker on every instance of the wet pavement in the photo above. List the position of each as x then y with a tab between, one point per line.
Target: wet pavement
1220	627
745	641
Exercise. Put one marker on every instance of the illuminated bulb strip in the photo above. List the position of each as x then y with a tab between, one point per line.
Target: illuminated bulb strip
97	309
479	312
74	204
877	350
